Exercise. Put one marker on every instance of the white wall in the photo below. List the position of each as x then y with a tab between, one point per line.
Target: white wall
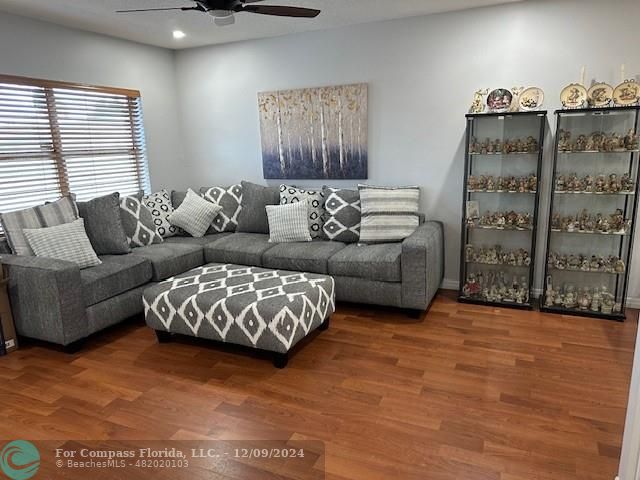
42	50
421	74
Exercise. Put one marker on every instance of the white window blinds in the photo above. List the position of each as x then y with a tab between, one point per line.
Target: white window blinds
58	138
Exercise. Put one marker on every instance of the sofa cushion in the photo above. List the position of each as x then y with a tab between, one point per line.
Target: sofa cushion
103	224
255	198
115	275
302	257
380	262
202	241
170	259
138	222
239	248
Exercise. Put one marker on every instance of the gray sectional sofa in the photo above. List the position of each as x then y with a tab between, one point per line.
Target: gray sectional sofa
55	301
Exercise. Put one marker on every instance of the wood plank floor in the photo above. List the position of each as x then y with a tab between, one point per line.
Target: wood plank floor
466	392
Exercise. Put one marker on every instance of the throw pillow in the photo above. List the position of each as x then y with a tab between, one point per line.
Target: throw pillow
67	242
159	204
194	215
177	197
289	223
55	213
103	225
315	201
138	222
253	217
230	199
343	215
388	214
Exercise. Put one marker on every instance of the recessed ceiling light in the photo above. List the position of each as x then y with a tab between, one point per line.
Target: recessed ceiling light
178	34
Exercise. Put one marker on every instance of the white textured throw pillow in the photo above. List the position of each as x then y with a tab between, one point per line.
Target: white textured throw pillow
289	223
68	241
194	215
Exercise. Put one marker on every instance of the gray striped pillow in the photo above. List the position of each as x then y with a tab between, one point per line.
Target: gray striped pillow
68	242
289	223
194	215
389	214
55	213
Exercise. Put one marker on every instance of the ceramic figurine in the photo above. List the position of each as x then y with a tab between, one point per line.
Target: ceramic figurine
564	141
478	104
491	146
533	183
581	143
561	184
491	186
595	301
500	184
474	146
614	186
484	147
626	183
588	184
631	140
482	183
607	301
601	184
532	145
618	266
471	287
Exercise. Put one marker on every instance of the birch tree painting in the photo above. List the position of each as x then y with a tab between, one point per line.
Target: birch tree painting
314	133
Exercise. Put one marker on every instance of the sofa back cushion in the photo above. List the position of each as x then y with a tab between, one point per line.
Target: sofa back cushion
389	214
103	224
255	198
343	215
229	199
51	214
138	222
67	241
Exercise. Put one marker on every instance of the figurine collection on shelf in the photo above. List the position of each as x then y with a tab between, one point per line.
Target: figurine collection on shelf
504	221
512	184
585	263
597	142
497	256
585	222
612	183
504	100
596	299
503	147
494	286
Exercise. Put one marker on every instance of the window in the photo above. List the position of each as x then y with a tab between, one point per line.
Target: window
58	138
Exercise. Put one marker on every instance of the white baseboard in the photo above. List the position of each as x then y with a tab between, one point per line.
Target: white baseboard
448	284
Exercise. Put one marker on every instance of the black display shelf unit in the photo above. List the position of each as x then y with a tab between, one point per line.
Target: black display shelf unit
594	291
491	283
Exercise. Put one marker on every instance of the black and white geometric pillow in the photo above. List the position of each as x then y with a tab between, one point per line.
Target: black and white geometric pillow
344	215
315	200
159	204
230	199
138	222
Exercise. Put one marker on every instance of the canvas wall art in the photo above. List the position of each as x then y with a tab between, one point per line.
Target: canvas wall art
315	133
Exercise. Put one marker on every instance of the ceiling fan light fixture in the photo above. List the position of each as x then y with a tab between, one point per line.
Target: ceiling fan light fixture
221	13
179	34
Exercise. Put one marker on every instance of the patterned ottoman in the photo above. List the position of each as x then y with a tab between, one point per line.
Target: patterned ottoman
263	309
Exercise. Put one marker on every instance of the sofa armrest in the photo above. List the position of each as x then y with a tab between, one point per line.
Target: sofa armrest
46	298
422	264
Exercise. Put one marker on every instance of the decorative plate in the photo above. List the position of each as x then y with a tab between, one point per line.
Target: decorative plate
627	93
531	98
573	96
600	95
499	100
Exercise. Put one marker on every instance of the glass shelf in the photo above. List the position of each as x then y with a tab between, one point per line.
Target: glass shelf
564	192
609	133
527	131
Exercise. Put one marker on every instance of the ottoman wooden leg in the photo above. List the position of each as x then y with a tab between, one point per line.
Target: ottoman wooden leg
325	325
280	360
163	336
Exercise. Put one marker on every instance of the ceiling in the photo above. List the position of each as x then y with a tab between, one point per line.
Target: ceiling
156	28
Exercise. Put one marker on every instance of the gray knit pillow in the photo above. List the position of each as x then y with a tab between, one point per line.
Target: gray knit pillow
289	223
195	215
67	242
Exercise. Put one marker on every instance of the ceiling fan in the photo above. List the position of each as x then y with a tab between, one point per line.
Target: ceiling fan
223	11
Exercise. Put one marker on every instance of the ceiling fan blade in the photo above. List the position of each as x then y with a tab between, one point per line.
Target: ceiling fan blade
279	11
157	9
224	21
